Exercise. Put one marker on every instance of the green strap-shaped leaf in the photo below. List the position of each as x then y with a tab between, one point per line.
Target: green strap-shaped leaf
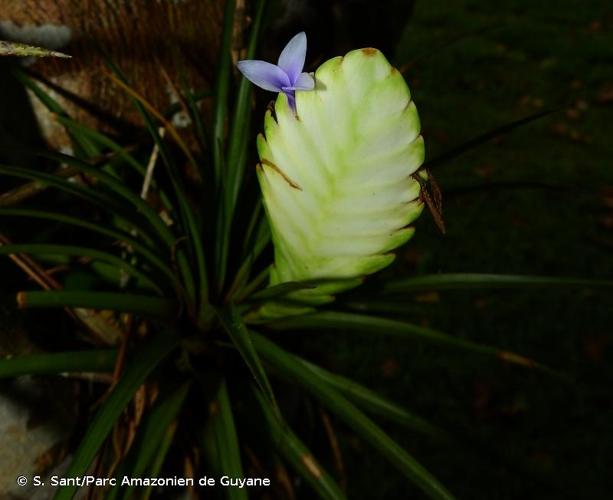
464	281
150	436
158	461
298	455
240	121
222	86
241	338
333	320
156	307
221	442
485	137
197	292
94	196
66	250
120	189
336	175
236	158
57	363
372	402
257	238
137	370
286	365
282	289
83	146
83	135
147	253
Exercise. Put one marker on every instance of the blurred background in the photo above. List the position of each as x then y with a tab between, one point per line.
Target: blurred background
533	197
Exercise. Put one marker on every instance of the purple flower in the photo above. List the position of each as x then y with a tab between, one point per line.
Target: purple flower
286	76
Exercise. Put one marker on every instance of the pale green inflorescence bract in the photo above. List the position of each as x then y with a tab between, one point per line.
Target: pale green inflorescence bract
336	177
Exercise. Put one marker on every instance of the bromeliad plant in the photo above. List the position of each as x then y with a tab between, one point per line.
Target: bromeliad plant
176	286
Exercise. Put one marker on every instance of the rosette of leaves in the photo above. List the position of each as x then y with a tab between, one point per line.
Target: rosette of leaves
164	277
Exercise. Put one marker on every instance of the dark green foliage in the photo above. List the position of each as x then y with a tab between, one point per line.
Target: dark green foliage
194	288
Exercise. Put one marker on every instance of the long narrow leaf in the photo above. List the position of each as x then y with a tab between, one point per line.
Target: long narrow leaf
82	145
256	220
119	152
240	121
96	197
23	50
154	428
298	455
57	363
90	253
282	289
138	247
249	288
50	103
150	435
237	150
145	361
464	281
155	307
352	416
188	218
256	238
118	187
28	190
485	137
222	86
332	320
145	107
222	442
372	402
241	338
199	126
158	461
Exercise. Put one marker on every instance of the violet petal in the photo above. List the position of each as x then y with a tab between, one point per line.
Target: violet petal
264	74
304	82
292	58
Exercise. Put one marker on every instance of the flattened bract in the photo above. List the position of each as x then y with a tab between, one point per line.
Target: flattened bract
336	176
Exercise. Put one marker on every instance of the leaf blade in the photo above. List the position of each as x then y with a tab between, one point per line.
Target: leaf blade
56	363
75	251
221	434
298	455
346	411
334	320
461	281
135	374
150	435
485	137
136	245
156	307
237	150
241	338
372	402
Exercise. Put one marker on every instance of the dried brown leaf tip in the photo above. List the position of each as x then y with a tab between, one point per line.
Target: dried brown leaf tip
516	359
309	463
22	303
